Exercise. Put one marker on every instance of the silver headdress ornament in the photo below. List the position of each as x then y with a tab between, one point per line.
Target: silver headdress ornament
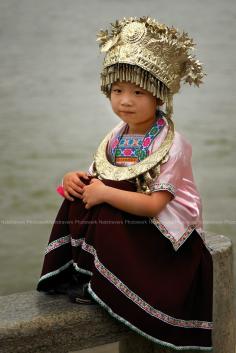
151	55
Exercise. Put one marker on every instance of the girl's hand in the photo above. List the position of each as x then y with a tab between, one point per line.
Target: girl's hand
72	184
94	193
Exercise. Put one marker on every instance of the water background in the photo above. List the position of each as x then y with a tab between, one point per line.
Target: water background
52	114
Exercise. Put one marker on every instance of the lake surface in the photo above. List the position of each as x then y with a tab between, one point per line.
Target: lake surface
53	115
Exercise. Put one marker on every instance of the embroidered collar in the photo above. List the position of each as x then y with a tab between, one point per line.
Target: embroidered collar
136	146
104	169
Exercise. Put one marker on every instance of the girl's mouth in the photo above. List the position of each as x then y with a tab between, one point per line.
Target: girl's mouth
126	112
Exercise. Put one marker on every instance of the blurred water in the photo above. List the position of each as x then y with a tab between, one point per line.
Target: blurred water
53	116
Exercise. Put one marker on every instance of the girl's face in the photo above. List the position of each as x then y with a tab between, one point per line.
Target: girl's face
134	105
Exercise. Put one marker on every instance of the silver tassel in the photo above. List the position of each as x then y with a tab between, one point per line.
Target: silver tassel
169	106
147	177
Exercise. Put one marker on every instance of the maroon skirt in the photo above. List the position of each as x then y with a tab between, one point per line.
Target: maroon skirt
134	272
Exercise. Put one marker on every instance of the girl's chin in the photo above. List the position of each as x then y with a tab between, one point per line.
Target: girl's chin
128	115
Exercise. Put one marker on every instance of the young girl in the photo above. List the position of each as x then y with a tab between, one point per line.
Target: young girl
128	235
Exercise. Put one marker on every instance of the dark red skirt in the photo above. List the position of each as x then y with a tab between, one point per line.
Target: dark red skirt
135	274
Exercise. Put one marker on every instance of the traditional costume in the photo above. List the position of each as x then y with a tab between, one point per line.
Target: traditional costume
155	275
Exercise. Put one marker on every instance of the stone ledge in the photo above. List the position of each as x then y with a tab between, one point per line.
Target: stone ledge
33	322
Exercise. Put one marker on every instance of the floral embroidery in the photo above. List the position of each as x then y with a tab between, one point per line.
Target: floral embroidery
161	121
62	241
147	141
136	145
142	154
127	152
131	150
130	140
163	186
115	143
76	242
125	159
176	243
57	243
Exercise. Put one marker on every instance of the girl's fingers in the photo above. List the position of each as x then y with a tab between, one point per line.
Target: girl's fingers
73	187
76	188
75	178
74	193
94	180
74	183
77	182
82	174
67	196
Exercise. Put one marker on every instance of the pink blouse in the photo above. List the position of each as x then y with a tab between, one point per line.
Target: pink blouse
183	213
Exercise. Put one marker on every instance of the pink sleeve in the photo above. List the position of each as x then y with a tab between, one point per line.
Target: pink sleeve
171	175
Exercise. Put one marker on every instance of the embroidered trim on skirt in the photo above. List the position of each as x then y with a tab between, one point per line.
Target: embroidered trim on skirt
135	274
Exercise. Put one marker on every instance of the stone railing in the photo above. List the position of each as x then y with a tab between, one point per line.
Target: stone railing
33	322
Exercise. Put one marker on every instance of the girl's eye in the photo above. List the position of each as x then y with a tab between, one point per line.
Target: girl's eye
138	93
116	90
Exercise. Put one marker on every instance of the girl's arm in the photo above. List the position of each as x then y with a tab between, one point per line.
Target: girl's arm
132	202
137	203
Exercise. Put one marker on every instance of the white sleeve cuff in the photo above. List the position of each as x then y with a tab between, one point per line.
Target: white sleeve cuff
163	186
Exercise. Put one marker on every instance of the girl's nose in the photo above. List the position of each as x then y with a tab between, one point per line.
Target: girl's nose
126	100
